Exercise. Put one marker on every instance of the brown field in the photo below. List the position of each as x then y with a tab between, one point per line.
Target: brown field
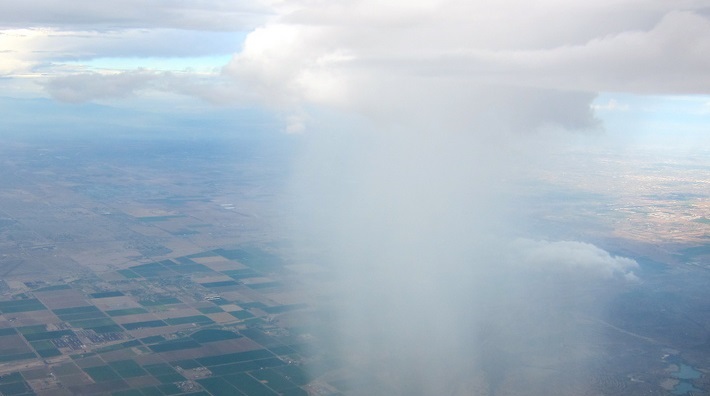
151	331
33	318
221	317
62	299
13	344
213	348
144	317
110	303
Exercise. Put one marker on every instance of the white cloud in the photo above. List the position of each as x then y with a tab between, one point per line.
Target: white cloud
361	55
576	259
48	39
46	50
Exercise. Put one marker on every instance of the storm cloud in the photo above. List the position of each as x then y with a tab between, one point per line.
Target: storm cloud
418	120
420	117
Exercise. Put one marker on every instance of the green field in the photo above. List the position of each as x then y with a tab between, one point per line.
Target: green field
128	274
102	373
152	339
75	310
106	294
45	348
169	378
243	314
151	219
209	310
213	335
8	331
219	284
82	316
242	367
248	385
127	368
234	357
148	323
275	380
47	335
32	329
15	388
218	386
27	305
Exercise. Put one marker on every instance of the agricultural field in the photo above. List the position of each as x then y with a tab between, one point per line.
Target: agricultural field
134	278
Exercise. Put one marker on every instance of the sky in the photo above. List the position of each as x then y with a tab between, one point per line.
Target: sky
299	57
416	117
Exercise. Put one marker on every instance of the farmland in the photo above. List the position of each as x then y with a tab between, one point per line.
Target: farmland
127	278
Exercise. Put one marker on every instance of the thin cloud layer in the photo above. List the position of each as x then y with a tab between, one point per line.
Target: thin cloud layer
46	40
152	14
87	87
79	88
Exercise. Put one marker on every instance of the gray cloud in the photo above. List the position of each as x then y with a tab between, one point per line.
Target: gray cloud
190	14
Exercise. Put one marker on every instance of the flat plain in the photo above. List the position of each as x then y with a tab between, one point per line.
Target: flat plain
157	267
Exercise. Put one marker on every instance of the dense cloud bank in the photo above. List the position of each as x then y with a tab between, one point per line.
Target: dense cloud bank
361	55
